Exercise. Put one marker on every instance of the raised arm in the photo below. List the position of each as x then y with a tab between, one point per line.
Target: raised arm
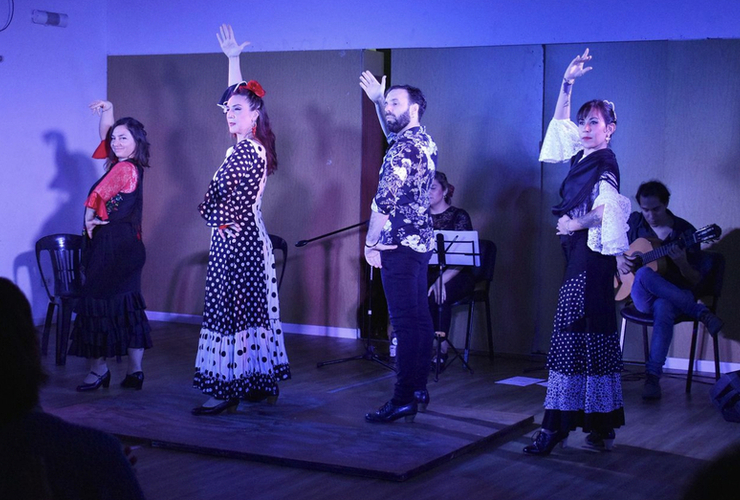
573	71
105	110
375	91
232	50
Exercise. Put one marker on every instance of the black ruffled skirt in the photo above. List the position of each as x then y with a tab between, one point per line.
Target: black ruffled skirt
111	315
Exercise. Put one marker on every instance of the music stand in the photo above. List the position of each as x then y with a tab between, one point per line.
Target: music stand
456	248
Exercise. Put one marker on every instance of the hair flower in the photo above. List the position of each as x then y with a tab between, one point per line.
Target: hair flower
610	104
255	87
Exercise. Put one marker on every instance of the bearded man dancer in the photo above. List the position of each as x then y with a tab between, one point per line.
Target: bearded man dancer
400	239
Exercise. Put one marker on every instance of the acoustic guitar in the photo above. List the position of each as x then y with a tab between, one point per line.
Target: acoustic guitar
650	253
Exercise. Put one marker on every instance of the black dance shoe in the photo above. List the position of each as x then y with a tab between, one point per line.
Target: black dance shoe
601	440
257	396
103	380
133	381
390	412
651	390
422	399
543	442
228	405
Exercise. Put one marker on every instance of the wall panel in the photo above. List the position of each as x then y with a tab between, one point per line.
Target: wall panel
485	113
314	102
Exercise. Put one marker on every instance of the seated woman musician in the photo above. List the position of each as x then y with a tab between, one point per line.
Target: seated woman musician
456	281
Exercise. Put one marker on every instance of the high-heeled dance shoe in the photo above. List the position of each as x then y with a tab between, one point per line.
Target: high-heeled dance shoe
257	396
390	413
272	399
133	381
422	399
103	380
228	405
543	442
601	440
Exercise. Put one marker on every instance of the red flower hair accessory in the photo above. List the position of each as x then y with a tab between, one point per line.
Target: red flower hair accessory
256	88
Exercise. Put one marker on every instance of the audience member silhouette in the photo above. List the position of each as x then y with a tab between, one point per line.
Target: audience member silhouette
42	456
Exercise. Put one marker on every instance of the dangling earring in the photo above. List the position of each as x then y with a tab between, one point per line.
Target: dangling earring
254	129
608	138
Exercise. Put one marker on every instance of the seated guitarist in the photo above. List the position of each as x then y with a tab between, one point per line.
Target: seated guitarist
669	294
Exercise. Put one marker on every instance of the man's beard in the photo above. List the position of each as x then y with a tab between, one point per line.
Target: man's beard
399	124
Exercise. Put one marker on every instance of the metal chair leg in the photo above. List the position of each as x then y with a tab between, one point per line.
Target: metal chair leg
715	341
490	330
645	343
692	357
471	310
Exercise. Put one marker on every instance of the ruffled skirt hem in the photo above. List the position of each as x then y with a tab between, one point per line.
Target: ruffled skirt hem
105	328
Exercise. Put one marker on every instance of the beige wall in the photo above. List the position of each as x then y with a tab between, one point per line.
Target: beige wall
315	105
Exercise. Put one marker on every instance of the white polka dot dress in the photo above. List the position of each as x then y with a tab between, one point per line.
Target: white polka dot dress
241	350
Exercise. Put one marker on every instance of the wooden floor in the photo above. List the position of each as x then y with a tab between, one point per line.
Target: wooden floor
659	449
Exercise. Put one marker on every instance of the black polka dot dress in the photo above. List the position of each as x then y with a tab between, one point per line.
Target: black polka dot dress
584	387
241	350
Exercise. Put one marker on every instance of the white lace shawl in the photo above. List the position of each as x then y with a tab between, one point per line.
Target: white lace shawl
610	238
561	142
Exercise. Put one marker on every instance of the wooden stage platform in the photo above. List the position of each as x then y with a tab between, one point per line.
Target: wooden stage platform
318	422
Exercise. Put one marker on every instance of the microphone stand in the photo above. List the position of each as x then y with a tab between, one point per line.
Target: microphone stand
369	353
442	264
303	243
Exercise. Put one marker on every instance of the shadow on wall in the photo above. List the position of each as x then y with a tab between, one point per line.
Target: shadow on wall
728	308
75	173
328	293
331	287
25	268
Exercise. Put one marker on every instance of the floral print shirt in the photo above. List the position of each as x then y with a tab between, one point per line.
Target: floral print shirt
403	190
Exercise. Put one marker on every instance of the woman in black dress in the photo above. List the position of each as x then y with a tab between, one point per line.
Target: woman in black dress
457	281
585	360
111	320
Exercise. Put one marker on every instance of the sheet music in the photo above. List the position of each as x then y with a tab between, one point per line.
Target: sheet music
461	248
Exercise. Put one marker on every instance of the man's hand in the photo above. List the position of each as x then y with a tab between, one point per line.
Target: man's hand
372	254
374	90
627	263
678	255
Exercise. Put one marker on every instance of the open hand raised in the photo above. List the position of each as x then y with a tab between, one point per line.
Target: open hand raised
374	90
228	43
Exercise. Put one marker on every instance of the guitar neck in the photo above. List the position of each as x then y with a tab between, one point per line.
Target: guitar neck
657	253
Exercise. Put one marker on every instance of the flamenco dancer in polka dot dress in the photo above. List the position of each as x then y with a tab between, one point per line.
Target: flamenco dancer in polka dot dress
241	352
585	361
